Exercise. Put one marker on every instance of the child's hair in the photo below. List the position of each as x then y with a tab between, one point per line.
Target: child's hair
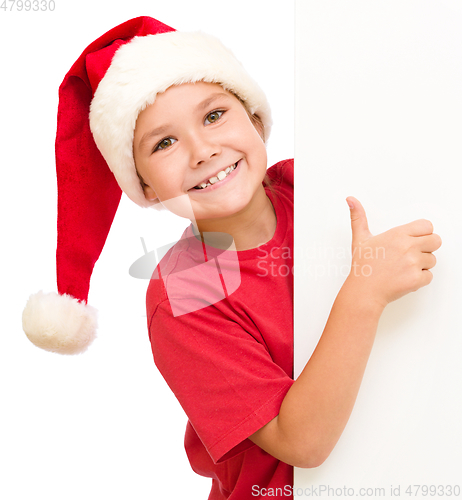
255	119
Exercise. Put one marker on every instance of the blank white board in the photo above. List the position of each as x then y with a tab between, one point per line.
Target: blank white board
378	117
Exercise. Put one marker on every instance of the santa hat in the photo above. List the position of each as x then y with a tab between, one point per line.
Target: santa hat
100	98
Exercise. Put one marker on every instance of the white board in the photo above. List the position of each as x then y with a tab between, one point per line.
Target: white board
378	117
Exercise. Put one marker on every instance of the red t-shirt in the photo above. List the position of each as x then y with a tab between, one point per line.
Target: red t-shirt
230	360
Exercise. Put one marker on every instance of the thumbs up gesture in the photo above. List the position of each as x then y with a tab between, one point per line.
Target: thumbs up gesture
389	265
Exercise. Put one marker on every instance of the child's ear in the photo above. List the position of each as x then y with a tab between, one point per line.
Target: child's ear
149	193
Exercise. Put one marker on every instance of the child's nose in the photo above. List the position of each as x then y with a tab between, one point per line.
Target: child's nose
204	148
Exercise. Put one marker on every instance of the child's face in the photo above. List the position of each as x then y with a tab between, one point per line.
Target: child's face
190	134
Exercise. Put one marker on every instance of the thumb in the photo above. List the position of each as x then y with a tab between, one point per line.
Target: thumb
359	227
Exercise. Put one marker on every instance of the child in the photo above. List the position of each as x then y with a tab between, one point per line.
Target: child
179	123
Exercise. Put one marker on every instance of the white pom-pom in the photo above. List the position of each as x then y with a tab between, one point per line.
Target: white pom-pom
59	323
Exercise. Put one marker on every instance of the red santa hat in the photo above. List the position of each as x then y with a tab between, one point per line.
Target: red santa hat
100	98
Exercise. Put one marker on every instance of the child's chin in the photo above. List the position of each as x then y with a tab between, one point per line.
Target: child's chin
223	212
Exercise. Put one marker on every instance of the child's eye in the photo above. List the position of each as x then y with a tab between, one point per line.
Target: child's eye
165	143
213	116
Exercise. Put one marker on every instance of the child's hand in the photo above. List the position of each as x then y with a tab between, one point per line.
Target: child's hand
389	265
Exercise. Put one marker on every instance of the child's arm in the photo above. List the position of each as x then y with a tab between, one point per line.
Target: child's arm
317	406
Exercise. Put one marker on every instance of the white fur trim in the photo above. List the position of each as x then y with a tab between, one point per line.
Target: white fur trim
149	65
59	323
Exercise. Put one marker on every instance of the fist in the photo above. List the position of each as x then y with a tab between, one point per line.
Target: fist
392	264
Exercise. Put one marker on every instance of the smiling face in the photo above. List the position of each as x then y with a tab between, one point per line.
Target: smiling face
198	140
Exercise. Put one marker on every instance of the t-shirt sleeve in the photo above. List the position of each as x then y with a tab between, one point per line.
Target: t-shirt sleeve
222	375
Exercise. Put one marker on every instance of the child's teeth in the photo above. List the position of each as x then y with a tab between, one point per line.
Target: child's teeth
219	177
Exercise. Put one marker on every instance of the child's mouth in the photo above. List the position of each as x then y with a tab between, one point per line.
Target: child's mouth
219	177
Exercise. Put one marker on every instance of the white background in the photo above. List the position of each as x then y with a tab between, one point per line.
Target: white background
103	424
378	116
